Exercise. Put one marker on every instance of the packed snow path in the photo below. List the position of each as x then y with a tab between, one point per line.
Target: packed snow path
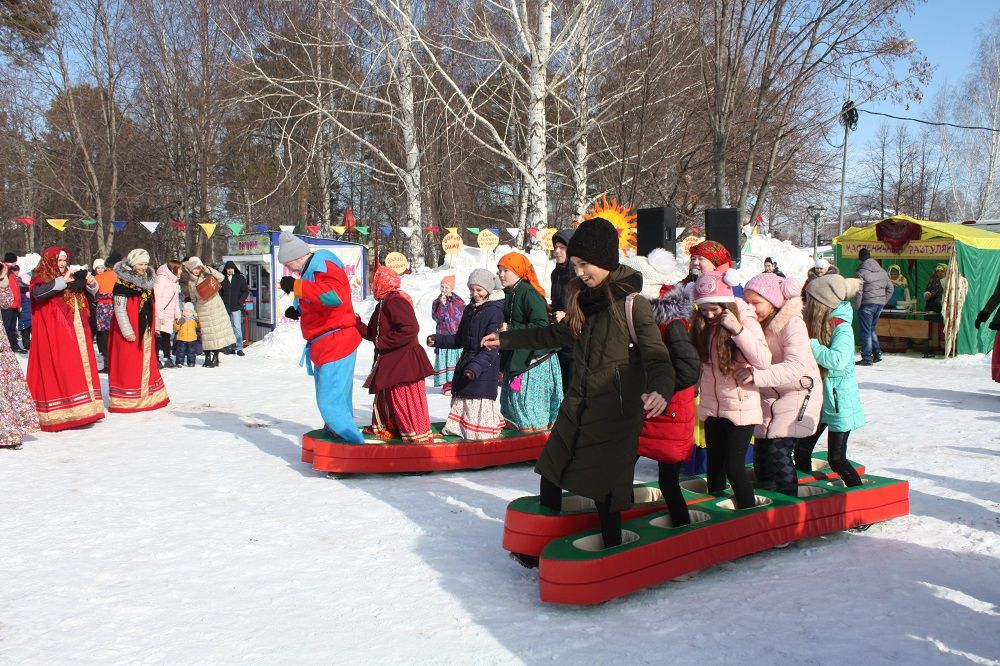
195	535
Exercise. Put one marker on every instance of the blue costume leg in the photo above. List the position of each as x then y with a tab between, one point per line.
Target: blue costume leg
334	388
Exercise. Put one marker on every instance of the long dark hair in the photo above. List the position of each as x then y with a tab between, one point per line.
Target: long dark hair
701	335
607	292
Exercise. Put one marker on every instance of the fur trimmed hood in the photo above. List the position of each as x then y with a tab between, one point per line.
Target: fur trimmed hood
143	281
791	309
678	303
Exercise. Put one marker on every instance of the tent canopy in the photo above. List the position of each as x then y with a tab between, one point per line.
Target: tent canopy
976	252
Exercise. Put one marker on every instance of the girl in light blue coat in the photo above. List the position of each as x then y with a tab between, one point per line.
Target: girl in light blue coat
828	317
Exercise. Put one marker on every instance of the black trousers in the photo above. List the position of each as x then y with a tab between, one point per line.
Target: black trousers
611	521
836	445
670	486
726	446
102	345
26	338
9	317
772	461
163	342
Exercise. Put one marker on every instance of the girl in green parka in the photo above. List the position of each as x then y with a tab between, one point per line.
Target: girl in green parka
828	316
616	382
531	389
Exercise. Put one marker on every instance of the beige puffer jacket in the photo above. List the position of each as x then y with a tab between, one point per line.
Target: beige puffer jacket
216	328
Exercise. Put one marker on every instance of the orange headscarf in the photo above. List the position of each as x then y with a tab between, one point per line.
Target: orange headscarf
519	264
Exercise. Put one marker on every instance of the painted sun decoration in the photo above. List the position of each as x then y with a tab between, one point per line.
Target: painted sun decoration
620	216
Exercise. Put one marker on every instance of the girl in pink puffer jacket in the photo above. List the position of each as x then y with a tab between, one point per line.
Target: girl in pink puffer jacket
729	339
790	388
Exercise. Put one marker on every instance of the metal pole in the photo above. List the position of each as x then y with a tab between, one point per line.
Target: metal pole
815	234
843	178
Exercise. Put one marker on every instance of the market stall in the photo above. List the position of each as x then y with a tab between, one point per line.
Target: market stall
916	248
256	257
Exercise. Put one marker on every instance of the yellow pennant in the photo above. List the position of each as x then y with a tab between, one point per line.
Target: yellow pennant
208	228
56	223
451	230
339	230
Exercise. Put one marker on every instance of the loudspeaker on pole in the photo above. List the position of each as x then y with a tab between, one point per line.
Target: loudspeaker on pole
723	225
656	227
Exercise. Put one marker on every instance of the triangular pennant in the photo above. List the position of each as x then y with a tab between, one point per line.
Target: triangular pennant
235	227
496	231
432	230
451	230
287	227
177	224
59	224
261	228
385	229
119	225
88	221
150	226
532	231
208	228
338	230
314	229
362	230
472	230
349	222
514	231
408	231
24	220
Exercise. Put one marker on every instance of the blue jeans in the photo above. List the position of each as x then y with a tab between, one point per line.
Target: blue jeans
237	320
867	318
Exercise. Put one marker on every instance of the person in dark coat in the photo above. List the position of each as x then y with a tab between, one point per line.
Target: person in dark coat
397	377
474	412
869	302
559	281
984	315
234	291
771	267
616	383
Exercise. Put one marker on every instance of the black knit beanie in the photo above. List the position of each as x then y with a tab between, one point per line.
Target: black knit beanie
596	242
864	254
9	258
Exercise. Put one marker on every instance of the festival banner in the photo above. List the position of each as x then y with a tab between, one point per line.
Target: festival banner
119	225
208	228
314	229
59	224
287	227
88	221
916	249
235	227
408	231
150	226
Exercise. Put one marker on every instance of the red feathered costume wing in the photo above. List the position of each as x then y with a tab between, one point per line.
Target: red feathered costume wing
62	369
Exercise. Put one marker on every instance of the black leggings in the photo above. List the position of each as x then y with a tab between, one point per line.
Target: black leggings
611	521
164	343
772	461
836	445
726	446
102	345
670	486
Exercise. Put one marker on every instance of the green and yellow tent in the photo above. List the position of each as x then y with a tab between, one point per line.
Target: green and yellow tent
972	253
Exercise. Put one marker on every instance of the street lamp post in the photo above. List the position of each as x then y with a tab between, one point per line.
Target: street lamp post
815	211
849	119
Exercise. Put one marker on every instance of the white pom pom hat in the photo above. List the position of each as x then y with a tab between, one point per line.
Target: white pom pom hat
716	287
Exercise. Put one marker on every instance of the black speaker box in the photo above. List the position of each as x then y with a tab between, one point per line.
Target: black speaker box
656	227
723	225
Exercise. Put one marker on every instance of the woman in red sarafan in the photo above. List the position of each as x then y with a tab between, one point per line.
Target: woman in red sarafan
397	378
134	382
62	372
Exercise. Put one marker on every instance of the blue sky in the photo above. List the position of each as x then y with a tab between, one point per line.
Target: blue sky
947	32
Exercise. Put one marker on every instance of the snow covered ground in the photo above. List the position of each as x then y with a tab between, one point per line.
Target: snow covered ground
195	535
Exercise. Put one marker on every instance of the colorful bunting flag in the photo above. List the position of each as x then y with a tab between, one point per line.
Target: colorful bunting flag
177	224
362	230
514	231
314	229
495	231
432	230
261	228
287	227
150	226
339	230
119	225
473	230
24	220
59	224
408	231
532	231
208	228
385	229
88	221
349	222
235	227
451	230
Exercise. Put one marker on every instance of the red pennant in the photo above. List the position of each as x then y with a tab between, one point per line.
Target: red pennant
349	220
177	224
433	230
533	232
24	220
696	230
313	229
760	217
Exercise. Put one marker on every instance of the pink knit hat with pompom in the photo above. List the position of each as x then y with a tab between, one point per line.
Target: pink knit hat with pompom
773	288
716	287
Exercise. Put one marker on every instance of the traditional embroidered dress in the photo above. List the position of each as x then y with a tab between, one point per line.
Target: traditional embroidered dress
447	316
62	372
401	365
134	382
17	412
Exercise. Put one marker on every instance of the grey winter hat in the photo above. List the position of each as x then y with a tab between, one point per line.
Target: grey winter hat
291	247
485	279
832	289
563	236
